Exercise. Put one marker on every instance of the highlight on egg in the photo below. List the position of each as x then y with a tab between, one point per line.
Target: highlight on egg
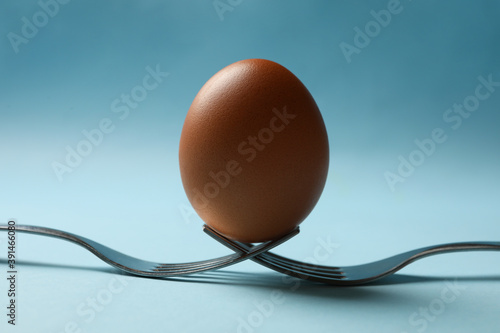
254	151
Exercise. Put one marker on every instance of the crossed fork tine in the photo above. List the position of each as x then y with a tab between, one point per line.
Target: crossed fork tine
217	263
281	264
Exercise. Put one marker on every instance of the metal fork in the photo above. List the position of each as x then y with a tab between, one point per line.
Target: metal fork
350	275
147	268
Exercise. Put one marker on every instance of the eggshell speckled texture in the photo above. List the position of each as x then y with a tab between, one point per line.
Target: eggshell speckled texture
253	151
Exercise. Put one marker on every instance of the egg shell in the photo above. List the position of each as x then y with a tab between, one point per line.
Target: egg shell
253	151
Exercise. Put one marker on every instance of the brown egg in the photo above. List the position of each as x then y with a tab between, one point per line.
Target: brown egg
253	151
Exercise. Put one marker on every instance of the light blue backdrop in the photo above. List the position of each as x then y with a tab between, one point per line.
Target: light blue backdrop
410	94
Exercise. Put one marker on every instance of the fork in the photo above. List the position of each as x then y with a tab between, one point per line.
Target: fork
147	268
349	275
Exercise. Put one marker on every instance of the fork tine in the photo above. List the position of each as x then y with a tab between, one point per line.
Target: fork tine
303	267
197	263
204	264
306	274
191	268
278	263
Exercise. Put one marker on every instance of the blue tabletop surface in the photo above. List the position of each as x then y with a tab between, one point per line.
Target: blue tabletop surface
410	95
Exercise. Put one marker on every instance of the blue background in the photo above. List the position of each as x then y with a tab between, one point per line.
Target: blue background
127	192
